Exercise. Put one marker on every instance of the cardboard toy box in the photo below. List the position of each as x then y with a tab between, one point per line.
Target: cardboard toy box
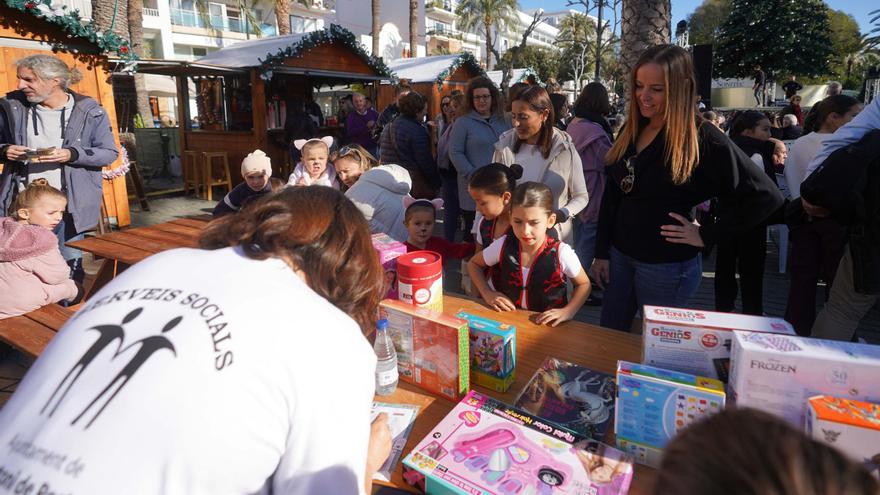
492	351
388	250
484	446
432	348
851	426
778	373
571	396
698	342
654	404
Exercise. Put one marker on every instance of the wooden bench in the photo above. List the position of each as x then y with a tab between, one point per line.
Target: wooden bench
31	333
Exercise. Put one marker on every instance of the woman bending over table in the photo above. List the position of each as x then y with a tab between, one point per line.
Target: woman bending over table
240	367
664	163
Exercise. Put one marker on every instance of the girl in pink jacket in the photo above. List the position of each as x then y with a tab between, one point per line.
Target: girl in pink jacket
32	271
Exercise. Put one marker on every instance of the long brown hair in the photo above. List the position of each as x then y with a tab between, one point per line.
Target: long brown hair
318	231
749	452
539	101
682	151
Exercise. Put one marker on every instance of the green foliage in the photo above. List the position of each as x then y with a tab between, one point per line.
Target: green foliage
72	23
705	22
782	36
544	61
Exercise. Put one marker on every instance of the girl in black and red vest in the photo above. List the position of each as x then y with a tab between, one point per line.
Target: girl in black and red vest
530	268
492	187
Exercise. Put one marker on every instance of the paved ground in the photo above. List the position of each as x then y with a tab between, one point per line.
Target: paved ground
13	366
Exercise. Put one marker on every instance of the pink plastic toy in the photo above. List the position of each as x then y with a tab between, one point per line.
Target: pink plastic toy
512	461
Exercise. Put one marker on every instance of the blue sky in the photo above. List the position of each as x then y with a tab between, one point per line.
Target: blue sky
681	8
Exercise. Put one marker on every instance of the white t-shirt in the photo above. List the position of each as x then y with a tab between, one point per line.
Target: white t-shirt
533	163
802	152
568	261
241	380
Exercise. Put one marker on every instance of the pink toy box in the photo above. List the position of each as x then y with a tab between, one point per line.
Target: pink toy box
484	446
388	250
432	348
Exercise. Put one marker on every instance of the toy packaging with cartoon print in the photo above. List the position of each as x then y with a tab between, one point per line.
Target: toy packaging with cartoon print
779	373
654	404
484	446
696	341
493	352
851	426
570	396
432	348
388	251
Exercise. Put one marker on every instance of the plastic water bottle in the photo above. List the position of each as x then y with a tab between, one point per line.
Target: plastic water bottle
386	367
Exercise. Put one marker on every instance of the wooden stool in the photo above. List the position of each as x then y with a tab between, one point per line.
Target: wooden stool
190	169
208	179
137	182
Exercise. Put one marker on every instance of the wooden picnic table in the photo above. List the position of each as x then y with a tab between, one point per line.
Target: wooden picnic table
580	343
30	333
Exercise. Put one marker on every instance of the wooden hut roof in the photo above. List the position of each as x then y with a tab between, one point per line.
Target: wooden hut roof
435	68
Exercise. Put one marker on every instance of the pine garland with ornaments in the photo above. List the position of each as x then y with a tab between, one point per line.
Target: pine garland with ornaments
72	23
782	36
333	34
466	59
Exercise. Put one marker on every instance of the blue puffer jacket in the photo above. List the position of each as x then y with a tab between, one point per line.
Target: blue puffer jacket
88	136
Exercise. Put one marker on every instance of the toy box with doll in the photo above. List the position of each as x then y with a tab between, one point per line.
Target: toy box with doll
779	373
484	446
388	250
432	348
654	404
696	341
851	426
493	352
570	396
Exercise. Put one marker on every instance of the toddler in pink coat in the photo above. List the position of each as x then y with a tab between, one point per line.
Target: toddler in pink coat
32	271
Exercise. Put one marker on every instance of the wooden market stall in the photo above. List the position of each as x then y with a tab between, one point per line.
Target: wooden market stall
433	77
35	27
243	89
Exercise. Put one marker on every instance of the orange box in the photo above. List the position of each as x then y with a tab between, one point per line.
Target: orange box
432	348
850	425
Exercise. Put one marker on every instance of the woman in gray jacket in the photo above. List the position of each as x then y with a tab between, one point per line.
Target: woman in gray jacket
546	154
472	138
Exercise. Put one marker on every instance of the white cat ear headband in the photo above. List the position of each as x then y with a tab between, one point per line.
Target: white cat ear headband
299	143
409	201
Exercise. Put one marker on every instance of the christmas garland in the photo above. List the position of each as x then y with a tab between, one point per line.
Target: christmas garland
464	58
121	170
333	34
71	22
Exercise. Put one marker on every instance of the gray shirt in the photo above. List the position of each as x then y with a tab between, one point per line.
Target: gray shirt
45	129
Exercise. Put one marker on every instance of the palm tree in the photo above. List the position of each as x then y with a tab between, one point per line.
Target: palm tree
374	33
644	23
282	15
483	15
413	28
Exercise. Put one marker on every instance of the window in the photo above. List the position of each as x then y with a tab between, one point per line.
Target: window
199	52
302	24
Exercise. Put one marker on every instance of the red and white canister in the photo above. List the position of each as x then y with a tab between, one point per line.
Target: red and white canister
420	279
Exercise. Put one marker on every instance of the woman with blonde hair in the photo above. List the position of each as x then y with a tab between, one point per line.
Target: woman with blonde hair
666	161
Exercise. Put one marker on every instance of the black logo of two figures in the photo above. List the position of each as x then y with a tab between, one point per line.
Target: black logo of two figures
107	336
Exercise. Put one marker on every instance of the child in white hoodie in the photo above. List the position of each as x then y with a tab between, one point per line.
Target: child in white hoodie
32	271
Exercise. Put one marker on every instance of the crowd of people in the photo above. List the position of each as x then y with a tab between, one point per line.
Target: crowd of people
537	203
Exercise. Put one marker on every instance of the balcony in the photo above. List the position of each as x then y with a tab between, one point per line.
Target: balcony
193	19
443	31
148	12
440	9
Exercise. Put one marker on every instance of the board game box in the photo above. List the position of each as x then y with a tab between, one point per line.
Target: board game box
484	446
851	426
571	396
432	348
493	352
654	404
696	341
779	373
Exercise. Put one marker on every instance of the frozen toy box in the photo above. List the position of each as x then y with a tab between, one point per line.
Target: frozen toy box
432	348
779	373
493	352
484	446
654	404
696	341
849	425
388	250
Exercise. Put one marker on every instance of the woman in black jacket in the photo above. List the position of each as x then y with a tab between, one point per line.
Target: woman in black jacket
664	163
298	125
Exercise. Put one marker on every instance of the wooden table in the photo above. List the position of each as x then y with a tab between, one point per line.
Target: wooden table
124	248
588	345
30	333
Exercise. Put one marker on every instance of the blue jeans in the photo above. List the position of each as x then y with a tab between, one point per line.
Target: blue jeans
451	209
634	284
585	241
